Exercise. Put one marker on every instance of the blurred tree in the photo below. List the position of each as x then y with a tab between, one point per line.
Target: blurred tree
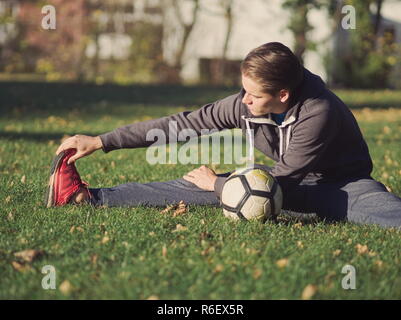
299	24
172	73
55	53
221	65
371	53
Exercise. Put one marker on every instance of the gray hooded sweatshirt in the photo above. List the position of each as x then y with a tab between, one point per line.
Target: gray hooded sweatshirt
319	139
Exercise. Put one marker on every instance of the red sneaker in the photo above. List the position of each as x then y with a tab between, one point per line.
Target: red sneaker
64	181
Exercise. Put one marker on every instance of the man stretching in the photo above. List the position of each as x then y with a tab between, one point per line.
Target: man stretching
322	161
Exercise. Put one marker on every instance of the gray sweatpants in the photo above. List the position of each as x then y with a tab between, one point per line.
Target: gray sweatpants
362	200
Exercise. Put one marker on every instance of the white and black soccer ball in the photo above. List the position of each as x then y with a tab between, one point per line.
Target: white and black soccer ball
251	194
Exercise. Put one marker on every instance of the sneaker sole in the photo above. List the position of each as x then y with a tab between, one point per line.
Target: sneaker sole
49	196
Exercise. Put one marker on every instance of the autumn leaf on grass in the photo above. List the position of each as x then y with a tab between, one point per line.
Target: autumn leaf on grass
153	297
164	251
168	209
179	228
20	266
181	209
361	248
73	228
65	287
105	239
218	268
29	255
282	263
308	292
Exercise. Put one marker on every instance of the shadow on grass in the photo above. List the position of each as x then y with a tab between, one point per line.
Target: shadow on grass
63	97
66	96
39	136
290	218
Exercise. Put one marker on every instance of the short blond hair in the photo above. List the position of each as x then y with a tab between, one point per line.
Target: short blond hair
274	66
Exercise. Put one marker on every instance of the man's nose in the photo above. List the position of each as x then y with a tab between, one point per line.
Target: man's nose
246	99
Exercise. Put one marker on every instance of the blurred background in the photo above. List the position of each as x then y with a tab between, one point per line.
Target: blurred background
197	41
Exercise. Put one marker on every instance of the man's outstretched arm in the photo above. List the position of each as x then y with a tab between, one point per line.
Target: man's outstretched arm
222	114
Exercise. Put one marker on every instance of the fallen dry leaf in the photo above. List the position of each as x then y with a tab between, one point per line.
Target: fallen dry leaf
179	212
73	228
378	263
298	225
153	297
23	179
308	292
8	199
65	287
300	244
336	252
167	209
21	267
282	263
219	268
361	248
179	209
251	251
29	255
105	239
10	216
179	228
164	252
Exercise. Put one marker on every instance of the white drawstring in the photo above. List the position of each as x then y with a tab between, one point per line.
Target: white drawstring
250	159
288	136
267	121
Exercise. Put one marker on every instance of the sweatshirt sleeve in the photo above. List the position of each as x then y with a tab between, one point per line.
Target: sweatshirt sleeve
309	140
222	114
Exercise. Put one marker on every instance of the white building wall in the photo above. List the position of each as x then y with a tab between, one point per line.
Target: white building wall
255	22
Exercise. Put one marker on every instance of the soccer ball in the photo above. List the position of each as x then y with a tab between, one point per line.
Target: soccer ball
251	194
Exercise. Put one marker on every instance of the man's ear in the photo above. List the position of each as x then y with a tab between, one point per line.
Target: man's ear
284	95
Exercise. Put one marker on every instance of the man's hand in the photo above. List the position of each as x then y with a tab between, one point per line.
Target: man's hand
85	145
202	177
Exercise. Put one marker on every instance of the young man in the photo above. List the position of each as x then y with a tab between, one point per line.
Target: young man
322	161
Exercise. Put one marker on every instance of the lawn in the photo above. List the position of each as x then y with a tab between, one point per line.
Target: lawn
139	253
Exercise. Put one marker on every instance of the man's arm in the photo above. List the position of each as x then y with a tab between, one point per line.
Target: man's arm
222	114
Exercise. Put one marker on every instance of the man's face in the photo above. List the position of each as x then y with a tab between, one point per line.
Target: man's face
260	103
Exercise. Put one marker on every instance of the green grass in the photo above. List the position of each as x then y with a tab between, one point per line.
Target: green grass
214	258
